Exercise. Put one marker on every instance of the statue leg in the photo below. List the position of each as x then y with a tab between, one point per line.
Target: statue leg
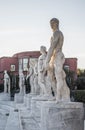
59	89
60	81
32	85
4	87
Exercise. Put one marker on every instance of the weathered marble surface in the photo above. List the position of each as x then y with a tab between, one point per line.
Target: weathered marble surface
27	100
18	98
62	116
48	115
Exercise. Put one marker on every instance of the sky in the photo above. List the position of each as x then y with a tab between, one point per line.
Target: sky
24	26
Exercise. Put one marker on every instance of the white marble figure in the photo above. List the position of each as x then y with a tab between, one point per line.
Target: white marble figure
30	75
21	82
41	76
57	59
6	82
36	85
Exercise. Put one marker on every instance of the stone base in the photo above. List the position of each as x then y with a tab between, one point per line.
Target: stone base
62	116
19	98
27	100
36	106
5	96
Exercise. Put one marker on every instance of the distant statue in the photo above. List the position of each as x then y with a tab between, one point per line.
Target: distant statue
36	85
6	82
30	75
41	77
22	82
56	58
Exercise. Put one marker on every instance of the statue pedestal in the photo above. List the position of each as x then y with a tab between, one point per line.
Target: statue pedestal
5	96
62	116
27	100
19	98
36	104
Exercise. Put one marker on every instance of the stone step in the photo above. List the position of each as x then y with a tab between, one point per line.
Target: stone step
5	107
4	97
8	103
13	122
4	111
28	121
3	118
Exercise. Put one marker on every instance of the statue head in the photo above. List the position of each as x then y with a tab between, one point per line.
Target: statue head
43	49
54	22
5	71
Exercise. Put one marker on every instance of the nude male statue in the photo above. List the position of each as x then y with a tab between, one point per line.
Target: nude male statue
36	85
56	58
41	78
22	82
31	76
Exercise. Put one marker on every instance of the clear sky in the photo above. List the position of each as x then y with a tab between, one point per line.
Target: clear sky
24	26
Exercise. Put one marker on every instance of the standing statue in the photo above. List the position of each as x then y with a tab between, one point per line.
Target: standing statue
22	82
30	75
6	82
56	58
41	77
36	85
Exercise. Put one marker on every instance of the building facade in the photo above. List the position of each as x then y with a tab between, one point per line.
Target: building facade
21	61
71	65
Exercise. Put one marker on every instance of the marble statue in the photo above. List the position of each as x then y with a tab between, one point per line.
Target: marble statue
41	77
30	75
56	59
36	85
19	97
21	82
6	82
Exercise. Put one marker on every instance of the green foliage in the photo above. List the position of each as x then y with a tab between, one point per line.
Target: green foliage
79	95
81	73
1	87
80	82
70	78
